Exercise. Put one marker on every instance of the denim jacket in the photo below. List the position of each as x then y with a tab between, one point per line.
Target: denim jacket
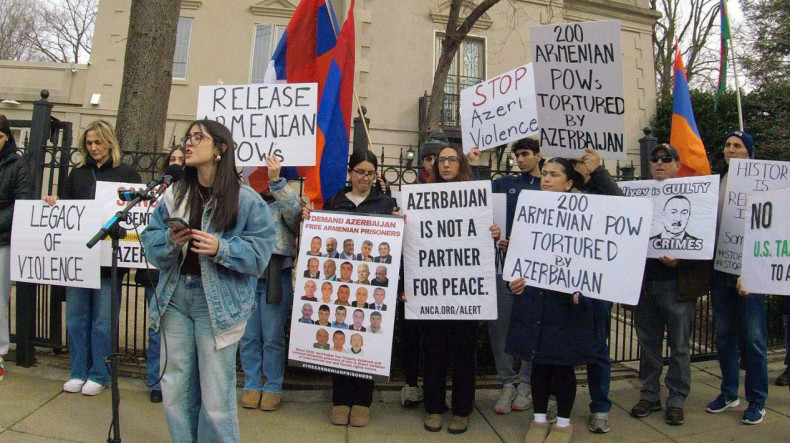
229	278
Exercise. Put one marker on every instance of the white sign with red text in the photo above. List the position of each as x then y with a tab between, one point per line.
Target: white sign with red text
130	252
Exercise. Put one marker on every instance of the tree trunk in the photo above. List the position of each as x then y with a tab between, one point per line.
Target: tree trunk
147	74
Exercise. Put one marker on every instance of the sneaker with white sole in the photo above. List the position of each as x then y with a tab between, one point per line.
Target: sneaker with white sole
722	403
74	385
753	415
523	399
410	396
92	388
551	413
599	423
506	397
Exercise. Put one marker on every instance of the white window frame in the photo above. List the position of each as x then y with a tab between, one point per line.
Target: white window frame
279	30
178	75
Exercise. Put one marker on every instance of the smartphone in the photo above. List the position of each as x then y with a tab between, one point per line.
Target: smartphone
177	223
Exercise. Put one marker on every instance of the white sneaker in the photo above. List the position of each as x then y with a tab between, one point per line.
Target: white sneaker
506	397
523	399
410	396
74	385
92	388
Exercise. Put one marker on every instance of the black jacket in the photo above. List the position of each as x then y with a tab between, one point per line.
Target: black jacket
377	203
602	183
14	185
81	182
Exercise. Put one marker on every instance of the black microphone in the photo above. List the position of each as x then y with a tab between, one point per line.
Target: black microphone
172	174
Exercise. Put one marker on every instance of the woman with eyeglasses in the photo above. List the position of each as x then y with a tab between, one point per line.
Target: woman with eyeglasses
206	292
351	397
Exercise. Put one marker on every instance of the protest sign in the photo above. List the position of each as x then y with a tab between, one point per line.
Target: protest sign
766	262
744	176
48	243
448	258
344	299
684	215
567	242
130	251
499	110
265	119
579	88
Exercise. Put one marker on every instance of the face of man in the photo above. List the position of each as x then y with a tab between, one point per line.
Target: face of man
362	297
427	162
340	315
331	245
348	246
338	340
378	295
345	271
343	293
375	322
322	337
315	245
309	288
363	272
734	148
676	215
326	292
329	268
312	266
359	317
384	250
663	165
527	161
307	311
356	342
323	315
366	248
381	273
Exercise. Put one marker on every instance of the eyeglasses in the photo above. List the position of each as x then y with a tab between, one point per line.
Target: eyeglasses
362	173
193	139
451	160
666	158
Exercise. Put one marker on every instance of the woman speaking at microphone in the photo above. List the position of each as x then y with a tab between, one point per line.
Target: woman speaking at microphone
206	290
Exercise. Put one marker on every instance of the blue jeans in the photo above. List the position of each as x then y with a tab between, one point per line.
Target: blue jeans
152	360
88	325
732	314
497	336
199	383
599	373
263	344
786	321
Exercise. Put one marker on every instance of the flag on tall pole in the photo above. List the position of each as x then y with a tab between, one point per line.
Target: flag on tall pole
684	135
724	52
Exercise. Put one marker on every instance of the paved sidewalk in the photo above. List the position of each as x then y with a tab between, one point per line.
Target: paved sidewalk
34	409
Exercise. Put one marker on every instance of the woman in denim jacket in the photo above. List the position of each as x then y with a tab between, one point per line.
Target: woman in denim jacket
207	283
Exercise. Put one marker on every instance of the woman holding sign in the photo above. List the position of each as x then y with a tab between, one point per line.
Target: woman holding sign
211	238
88	310
552	329
352	396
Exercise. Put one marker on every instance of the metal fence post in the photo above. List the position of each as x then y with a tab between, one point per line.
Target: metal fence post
646	146
360	136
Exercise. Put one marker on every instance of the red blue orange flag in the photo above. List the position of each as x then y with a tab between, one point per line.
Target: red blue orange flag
684	135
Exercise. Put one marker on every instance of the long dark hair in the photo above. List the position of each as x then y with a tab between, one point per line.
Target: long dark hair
224	192
166	161
464	170
569	171
362	155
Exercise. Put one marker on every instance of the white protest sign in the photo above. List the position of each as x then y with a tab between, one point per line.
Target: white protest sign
684	215
766	262
130	252
567	242
48	243
499	110
448	259
265	119
344	308
579	88
744	176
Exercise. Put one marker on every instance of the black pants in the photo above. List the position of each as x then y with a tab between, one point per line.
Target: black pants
557	380
351	391
441	341
409	332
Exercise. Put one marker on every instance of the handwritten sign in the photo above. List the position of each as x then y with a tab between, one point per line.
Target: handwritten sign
594	244
448	251
265	119
766	259
499	110
130	252
579	88
48	243
744	176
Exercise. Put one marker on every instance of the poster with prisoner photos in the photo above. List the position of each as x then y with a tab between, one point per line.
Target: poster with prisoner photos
568	242
345	294
684	215
766	258
130	253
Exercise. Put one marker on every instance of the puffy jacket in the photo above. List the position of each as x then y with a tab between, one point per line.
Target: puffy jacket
14	185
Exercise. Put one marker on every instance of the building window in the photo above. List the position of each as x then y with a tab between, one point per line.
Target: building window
467	69
181	56
263	48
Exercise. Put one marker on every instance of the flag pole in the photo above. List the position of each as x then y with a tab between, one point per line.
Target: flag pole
735	74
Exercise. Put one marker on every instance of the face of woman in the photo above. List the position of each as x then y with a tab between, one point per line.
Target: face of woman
554	178
449	164
199	147
176	158
362	176
97	149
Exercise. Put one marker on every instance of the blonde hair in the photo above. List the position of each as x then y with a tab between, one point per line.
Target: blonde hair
105	132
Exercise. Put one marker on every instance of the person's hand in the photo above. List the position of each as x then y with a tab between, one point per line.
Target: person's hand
382	183
180	236
274	167
496	232
591	160
204	243
518	285
402	297
741	292
473	156
576	296
51	199
671	262
306	211
503	243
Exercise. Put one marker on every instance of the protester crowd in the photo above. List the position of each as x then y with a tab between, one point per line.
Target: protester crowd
226	284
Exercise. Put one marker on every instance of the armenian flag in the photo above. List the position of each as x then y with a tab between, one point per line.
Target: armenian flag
684	135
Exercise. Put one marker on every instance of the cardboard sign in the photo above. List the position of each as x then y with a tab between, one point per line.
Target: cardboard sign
579	88
684	215
448	251
499	110
766	259
744	176
567	242
345	294
130	253
48	243
265	119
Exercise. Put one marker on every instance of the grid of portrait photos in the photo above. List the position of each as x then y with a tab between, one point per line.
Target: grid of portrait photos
345	294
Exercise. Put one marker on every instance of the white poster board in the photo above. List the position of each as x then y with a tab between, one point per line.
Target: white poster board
130	253
332	295
48	243
684	215
579	88
448	253
567	242
265	119
766	259
499	110
744	176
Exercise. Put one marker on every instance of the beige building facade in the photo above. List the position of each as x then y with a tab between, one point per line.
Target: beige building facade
397	42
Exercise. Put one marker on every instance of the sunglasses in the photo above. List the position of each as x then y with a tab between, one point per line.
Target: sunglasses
665	158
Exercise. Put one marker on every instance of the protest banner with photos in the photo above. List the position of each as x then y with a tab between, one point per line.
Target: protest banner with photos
745	176
568	242
448	252
345	294
684	215
766	262
48	243
499	110
579	88
265	119
130	252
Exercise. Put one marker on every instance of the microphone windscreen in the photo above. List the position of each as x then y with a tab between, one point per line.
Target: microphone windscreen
174	171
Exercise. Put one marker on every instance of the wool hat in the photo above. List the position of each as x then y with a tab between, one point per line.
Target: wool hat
746	138
433	144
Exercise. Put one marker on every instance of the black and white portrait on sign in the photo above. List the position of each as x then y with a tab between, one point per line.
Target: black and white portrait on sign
675	219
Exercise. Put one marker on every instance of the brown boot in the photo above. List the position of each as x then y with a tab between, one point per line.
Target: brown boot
458	424
560	434
251	399
270	401
537	432
339	415
360	416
